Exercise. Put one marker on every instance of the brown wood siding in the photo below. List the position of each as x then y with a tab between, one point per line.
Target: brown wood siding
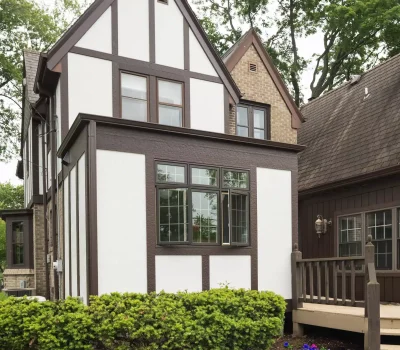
359	197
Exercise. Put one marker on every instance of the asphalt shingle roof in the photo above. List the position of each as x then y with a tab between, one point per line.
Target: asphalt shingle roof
31	60
348	134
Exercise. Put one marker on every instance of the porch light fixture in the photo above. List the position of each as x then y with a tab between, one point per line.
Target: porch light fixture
321	225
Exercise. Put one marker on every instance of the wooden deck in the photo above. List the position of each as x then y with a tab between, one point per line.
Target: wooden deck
349	318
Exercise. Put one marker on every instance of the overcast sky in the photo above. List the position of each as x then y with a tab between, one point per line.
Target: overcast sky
307	47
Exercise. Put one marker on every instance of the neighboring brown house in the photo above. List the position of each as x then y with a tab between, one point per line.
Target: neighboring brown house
350	172
151	164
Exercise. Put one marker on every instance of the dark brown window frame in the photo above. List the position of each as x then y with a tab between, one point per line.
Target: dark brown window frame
165	2
121	72
219	189
170	105
250	118
395	207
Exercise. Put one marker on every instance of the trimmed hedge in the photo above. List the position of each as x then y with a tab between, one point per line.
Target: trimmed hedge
215	319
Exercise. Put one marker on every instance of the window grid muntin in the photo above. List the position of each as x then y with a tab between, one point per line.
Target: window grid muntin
383	246
219	189
171	166
17	232
346	224
238	172
192	176
179	205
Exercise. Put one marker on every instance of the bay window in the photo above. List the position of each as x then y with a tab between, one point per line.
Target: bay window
202	205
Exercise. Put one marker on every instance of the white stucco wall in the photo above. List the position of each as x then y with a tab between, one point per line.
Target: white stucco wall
199	61
89	86
83	280
133	29
40	148
74	234
178	273
207	106
234	270
121	222
274	235
66	237
98	37
169	34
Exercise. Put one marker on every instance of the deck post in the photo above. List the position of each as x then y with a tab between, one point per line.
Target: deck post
296	278
369	258
374	326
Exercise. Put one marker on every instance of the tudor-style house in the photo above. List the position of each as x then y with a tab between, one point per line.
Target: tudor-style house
152	164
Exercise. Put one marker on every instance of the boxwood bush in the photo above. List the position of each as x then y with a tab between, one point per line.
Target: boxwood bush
215	319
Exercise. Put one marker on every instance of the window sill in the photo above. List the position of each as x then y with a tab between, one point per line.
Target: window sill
200	245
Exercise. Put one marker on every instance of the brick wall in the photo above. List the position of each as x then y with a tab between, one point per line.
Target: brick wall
12	278
39	250
50	270
260	87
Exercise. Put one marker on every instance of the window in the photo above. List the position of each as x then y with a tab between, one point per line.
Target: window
134	97
170	103
18	243
379	225
350	236
216	208
252	122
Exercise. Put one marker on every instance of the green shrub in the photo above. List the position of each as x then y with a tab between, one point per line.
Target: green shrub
216	319
3	296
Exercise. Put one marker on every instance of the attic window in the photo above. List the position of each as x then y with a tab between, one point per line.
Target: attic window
252	67
165	2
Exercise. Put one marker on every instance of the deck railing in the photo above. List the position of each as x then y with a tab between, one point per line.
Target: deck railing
325	280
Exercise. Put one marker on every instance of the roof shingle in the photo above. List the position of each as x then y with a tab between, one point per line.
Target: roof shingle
31	60
348	135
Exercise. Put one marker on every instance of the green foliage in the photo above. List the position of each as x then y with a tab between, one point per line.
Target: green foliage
3	296
25	24
216	319
11	197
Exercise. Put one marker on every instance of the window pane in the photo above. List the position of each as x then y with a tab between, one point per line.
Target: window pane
134	86
173	215
168	115
380	228
134	109
242	131
169	92
170	173
239	216
204	176
225	218
259	119
18	242
242	118
259	134
236	179
204	217
350	236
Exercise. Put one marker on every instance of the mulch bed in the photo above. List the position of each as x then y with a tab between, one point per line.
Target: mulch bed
321	342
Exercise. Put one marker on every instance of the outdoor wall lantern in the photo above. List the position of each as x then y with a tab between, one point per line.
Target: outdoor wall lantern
321	225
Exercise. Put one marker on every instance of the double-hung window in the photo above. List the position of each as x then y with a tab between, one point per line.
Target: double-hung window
202	205
170	103
252	121
18	243
134	97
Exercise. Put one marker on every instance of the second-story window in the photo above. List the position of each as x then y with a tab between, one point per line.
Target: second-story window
252	122
134	97
170	103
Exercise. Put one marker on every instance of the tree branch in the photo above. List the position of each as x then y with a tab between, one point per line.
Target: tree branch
10	98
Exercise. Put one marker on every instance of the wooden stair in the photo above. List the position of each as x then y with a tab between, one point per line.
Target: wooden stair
390	347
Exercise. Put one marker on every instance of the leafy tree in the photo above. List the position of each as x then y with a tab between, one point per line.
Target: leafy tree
11	197
357	34
25	24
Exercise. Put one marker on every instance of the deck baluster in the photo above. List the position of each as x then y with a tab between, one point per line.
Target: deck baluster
343	283
318	282
334	267
326	282
353	284
311	273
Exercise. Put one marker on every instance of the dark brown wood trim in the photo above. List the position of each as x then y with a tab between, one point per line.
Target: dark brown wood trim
35	156
77	31
87	205
116	88
153	103
78	271
148	68
304	193
114	27
92	213
36	199
226	110
69	236
152	32
64	99
186	102
252	38
205	260
368	208
83	119
64	237
186	47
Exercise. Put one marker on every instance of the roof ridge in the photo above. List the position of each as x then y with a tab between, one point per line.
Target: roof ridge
348	82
